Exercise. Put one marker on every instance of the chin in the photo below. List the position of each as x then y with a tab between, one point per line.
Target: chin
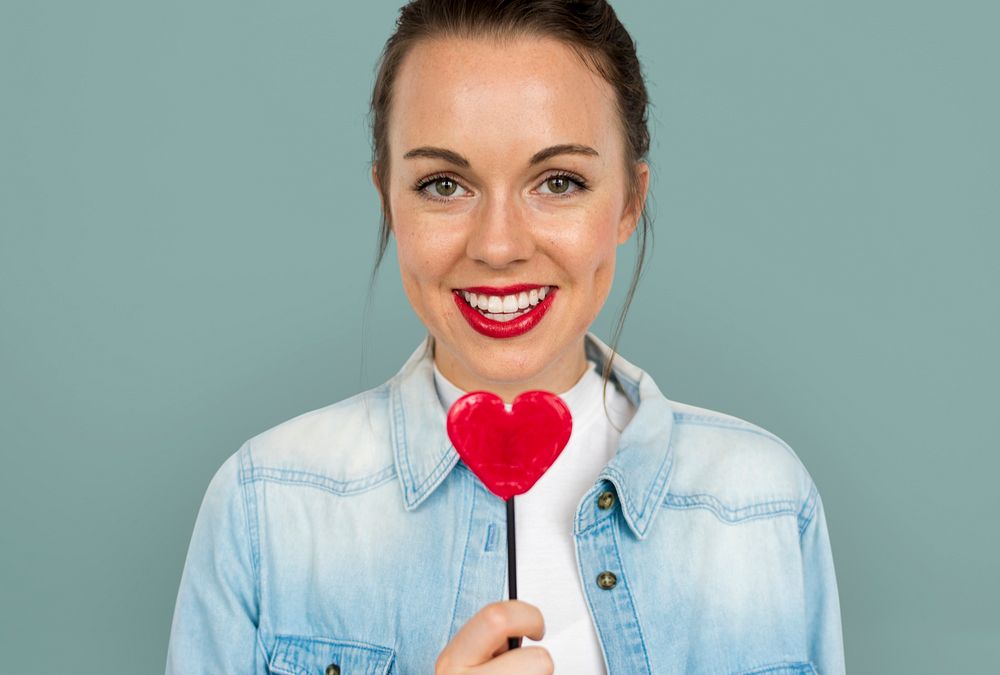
507	372
501	363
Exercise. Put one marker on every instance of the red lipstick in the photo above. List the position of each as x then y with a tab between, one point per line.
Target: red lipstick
503	329
501	290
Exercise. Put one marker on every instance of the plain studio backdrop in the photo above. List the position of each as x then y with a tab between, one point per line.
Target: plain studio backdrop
187	228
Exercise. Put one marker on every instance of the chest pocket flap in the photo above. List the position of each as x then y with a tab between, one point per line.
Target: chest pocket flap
788	668
297	655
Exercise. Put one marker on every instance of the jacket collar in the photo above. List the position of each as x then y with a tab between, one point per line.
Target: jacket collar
640	470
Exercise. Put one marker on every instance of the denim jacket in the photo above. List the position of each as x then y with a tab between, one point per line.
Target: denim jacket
353	536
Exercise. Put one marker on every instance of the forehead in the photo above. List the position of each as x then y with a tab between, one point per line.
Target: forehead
481	94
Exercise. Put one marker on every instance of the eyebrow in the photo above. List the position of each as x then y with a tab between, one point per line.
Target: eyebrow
547	153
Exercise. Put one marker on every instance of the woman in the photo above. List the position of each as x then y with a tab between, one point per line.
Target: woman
509	143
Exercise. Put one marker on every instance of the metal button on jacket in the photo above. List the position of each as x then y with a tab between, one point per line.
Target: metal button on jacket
607	580
606	500
332	669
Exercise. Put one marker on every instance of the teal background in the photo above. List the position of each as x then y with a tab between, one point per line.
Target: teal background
187	228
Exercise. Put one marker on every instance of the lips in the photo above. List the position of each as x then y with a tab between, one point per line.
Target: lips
519	325
502	290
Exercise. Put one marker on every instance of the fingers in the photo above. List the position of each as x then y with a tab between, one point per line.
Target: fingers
524	661
486	633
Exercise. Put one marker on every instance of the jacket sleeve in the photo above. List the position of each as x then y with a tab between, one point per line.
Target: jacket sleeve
822	603
214	627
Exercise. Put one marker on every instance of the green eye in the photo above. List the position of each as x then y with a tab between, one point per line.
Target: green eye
563	184
558	184
441	188
445	187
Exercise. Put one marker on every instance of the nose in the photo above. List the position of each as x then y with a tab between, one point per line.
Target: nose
500	235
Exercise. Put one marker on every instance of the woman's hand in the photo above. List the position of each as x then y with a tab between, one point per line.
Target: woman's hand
480	646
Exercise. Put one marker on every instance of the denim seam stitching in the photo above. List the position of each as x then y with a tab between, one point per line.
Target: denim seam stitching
736	521
461	571
586	596
602	633
436	472
631	598
762	509
661	476
341	488
263	650
777	667
250	521
808	504
305	640
399	418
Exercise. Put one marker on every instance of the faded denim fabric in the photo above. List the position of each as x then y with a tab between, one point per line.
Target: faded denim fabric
354	535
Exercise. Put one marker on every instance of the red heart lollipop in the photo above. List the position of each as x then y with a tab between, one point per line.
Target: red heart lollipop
509	451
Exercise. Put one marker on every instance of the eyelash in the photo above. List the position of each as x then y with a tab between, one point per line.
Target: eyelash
423	183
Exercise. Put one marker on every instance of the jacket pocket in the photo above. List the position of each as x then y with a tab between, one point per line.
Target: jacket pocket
785	668
298	655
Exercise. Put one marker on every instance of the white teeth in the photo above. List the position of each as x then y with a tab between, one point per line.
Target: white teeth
503	317
507	307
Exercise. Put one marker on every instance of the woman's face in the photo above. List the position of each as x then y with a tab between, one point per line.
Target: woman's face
507	180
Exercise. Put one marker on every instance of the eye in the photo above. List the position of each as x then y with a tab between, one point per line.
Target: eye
562	184
440	188
444	187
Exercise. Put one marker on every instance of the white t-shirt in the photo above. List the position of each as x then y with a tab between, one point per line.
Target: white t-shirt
547	572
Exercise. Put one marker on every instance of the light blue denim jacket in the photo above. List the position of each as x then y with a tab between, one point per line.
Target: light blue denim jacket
353	535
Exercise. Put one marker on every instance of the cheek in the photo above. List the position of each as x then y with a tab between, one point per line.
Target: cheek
421	251
428	257
590	247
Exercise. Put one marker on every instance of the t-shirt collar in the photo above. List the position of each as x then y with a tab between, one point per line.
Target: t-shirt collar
579	398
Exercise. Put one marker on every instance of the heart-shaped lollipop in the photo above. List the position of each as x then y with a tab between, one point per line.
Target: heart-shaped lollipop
509	450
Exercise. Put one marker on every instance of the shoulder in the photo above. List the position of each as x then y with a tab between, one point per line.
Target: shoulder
343	447
734	466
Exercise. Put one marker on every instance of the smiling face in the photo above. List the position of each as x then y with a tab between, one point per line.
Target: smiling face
508	188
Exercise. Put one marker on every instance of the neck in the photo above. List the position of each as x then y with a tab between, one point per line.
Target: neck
556	377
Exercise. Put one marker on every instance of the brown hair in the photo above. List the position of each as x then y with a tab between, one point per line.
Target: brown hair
591	28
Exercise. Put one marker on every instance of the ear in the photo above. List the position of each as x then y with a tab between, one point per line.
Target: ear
633	210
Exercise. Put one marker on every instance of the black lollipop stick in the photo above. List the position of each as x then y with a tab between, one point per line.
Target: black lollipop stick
512	643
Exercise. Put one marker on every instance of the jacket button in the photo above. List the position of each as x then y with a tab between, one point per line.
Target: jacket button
607	580
606	500
332	669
